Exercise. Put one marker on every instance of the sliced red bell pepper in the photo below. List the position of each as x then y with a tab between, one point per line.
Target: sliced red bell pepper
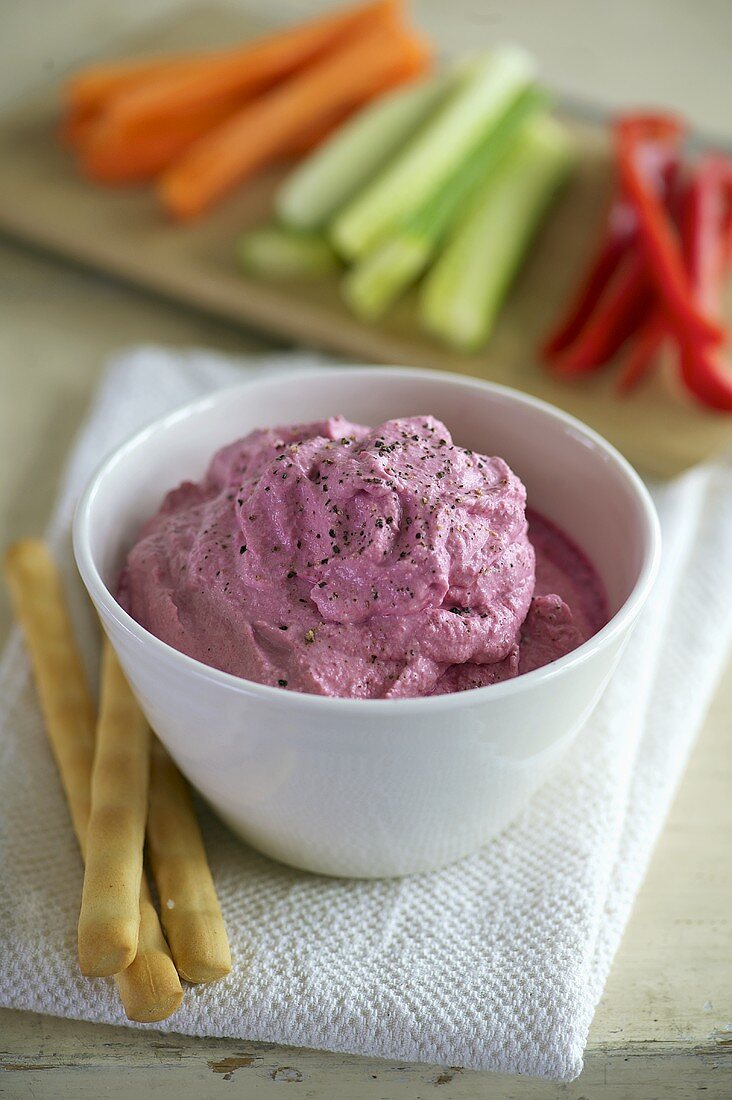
634	140
705	229
707	377
661	162
618	234
620	311
644	352
705	214
706	232
718	168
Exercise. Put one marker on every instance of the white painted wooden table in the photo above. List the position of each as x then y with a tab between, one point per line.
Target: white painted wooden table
664	1027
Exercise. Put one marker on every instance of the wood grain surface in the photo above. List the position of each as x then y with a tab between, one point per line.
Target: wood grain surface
124	233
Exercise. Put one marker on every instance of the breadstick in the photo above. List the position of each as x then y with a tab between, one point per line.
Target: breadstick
68	710
149	989
109	921
189	907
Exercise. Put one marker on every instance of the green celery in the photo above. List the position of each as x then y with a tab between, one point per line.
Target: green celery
396	264
312	194
378	280
276	252
487	89
465	289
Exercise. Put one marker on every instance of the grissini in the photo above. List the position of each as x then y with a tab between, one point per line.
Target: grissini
109	921
150	989
189	907
67	705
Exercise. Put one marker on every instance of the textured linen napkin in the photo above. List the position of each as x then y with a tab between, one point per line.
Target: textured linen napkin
496	962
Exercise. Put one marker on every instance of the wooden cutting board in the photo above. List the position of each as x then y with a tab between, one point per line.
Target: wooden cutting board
124	233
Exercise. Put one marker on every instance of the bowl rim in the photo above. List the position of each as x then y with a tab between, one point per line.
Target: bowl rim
616	625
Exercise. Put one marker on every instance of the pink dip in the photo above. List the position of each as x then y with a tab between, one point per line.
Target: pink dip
369	563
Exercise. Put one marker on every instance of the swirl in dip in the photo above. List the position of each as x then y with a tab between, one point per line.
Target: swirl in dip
361	562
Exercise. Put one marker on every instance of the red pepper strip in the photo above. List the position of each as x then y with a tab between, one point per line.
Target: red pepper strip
644	352
706	229
707	377
665	263
705	213
661	164
706	243
621	310
612	250
728	233
717	169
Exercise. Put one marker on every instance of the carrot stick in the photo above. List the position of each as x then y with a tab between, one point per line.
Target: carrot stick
114	159
137	162
250	68
119	160
311	137
89	92
91	89
262	131
415	64
76	126
108	157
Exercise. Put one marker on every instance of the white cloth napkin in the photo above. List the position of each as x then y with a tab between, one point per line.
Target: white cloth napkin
496	962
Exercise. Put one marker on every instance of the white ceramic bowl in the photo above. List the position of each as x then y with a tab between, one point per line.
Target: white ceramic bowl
373	787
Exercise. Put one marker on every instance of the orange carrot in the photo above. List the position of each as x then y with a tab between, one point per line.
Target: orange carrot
90	89
251	68
108	164
415	64
310	137
262	131
89	92
115	159
76	125
106	157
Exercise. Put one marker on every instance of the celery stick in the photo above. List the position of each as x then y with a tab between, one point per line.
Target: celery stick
465	289
371	287
482	97
311	195
278	253
393	266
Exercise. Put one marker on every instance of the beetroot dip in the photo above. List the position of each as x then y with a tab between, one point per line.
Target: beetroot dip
366	563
